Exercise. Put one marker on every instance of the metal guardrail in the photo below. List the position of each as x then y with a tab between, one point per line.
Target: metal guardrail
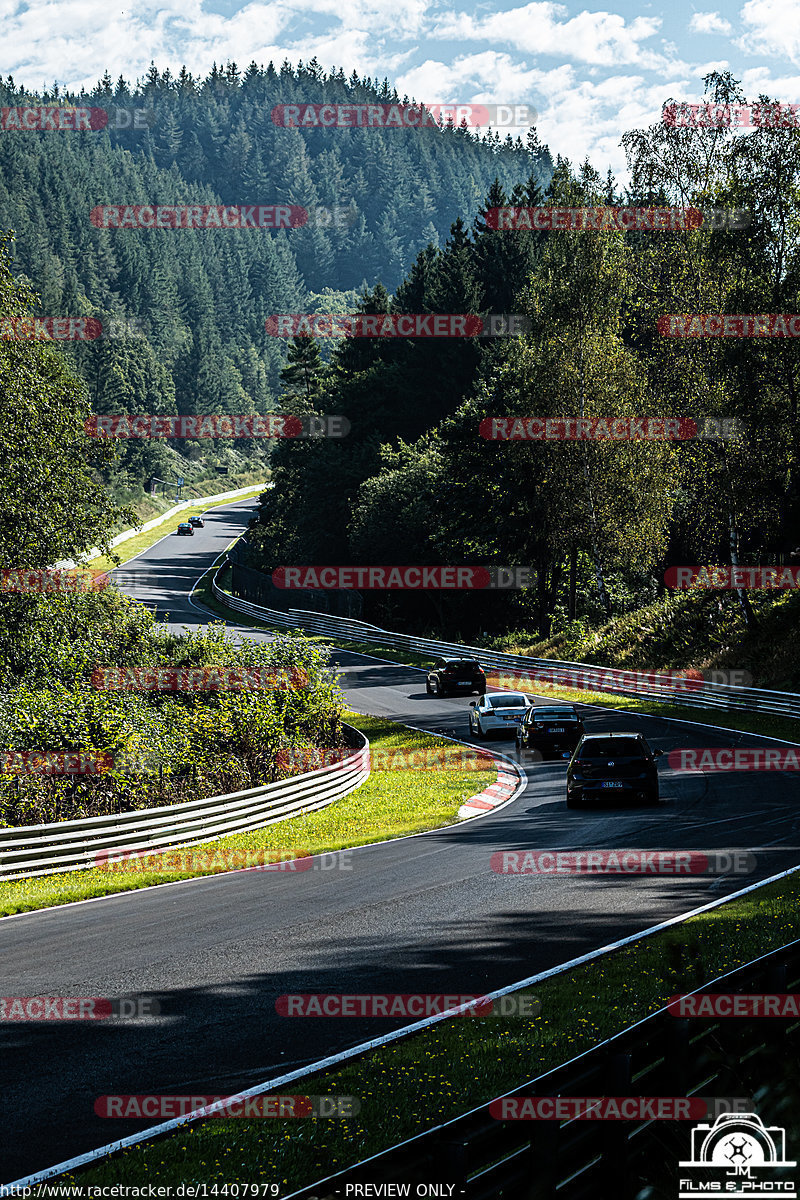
30	850
489	1159
664	689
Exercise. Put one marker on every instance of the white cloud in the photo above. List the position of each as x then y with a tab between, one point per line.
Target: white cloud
709	22
590	37
774	28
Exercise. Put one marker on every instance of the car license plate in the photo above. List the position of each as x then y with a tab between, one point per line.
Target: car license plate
558	729
464	683
512	718
612	783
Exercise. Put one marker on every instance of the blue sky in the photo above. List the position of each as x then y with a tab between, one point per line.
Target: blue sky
590	71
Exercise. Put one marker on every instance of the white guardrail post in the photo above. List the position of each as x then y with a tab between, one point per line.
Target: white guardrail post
31	850
666	689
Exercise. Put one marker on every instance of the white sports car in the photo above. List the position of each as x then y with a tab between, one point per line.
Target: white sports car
497	712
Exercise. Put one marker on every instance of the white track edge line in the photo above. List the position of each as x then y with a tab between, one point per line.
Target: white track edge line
374	1043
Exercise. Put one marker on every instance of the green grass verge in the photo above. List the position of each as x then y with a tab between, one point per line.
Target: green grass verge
389	804
143	541
416	1083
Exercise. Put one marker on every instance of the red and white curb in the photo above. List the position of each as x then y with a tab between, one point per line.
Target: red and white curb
504	787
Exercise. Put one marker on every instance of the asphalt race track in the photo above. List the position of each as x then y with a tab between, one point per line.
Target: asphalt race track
422	914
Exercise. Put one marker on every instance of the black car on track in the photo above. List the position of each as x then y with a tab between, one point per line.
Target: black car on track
549	730
612	766
449	675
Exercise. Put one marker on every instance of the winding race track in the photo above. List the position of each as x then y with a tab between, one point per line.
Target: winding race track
421	914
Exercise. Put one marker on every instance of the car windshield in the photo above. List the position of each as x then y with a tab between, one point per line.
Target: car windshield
555	718
612	748
461	664
507	701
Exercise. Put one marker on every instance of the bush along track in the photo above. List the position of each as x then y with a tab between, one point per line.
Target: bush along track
393	802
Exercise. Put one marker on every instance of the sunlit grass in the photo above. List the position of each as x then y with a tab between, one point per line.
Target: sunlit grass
143	541
391	803
437	1074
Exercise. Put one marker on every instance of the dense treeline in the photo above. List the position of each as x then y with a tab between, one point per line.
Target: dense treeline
161	746
200	298
600	521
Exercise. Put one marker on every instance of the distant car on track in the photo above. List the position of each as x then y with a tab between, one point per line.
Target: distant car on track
197	522
448	675
185	529
612	766
497	712
549	729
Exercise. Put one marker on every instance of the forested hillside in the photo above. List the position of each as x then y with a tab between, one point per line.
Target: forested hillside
197	300
600	521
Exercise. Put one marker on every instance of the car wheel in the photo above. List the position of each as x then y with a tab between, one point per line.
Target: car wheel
572	802
428	687
482	691
478	732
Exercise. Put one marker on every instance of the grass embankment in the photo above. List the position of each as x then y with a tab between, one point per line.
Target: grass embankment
443	1071
148	505
143	541
391	803
700	629
783	728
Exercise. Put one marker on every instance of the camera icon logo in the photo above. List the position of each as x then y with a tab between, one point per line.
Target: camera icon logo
738	1142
